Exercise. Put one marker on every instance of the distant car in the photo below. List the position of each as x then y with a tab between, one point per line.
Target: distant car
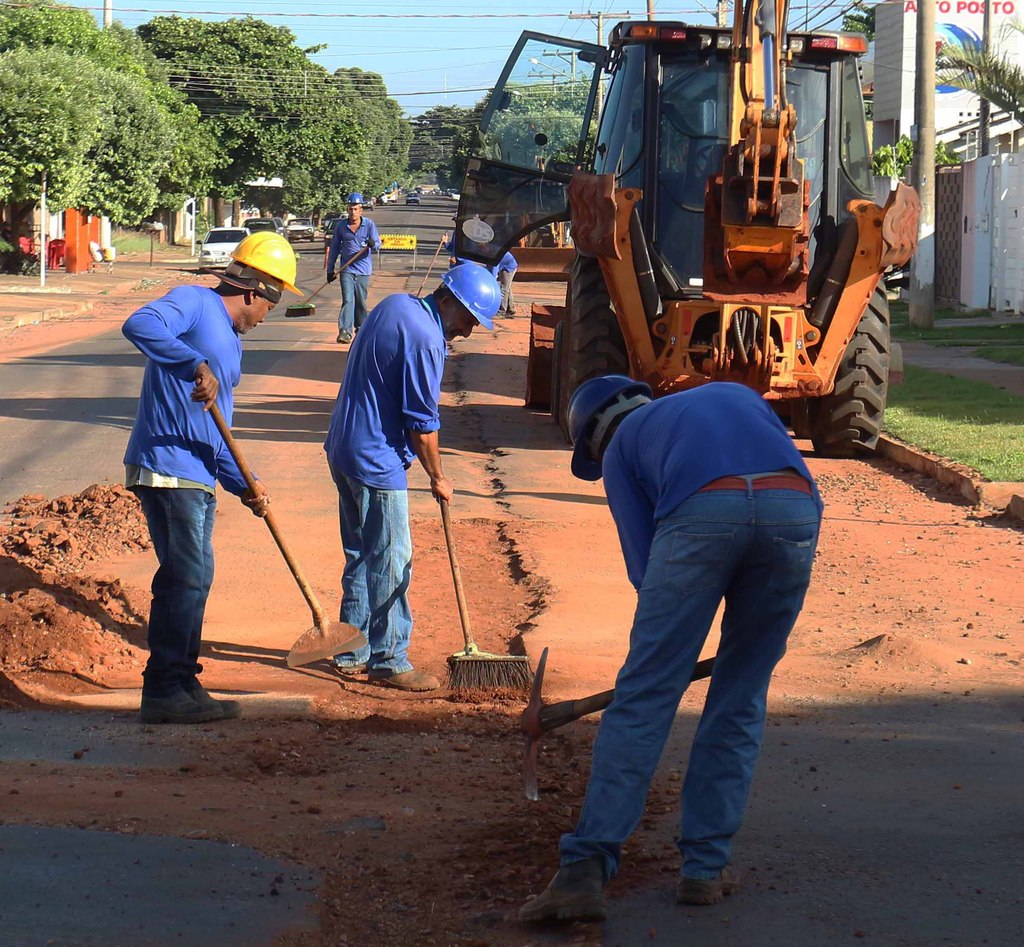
271	224
218	245
454	195
329	224
301	228
412	198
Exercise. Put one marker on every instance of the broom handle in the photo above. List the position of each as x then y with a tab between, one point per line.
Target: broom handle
444	240
236	452
460	594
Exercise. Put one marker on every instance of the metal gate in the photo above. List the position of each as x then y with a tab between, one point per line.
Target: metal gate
949	223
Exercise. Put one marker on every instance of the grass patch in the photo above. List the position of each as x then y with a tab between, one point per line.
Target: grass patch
969	422
899	314
1009	354
130	241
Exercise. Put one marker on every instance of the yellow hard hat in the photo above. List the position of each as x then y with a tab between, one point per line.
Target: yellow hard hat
270	254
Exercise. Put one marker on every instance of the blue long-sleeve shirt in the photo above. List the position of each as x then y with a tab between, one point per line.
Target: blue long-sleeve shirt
392	386
346	243
668	449
172	434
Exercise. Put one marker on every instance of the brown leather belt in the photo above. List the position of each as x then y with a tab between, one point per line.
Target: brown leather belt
774	482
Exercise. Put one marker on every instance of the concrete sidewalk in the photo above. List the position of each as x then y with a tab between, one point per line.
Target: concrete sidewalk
24	302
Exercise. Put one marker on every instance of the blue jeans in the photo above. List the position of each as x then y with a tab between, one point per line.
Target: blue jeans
378	569
754	549
354	288
181	527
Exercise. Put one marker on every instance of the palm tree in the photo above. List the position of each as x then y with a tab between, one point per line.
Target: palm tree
991	75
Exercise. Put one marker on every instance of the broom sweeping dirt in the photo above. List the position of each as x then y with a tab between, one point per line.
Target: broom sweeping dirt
307	308
473	669
326	638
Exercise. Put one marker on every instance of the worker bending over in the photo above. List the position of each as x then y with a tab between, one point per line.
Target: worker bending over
385	416
712	501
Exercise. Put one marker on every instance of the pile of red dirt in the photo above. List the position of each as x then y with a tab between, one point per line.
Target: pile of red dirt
62	633
65	533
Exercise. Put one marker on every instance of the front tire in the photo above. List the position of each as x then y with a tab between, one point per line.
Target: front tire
849	420
596	345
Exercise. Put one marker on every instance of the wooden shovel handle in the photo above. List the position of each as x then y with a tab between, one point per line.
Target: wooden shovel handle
293	566
460	594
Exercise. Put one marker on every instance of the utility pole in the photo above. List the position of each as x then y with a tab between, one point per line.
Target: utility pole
722	13
42	231
650	9
108	14
599	17
922	267
985	111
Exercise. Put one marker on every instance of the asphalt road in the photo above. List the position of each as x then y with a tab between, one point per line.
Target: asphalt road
65	414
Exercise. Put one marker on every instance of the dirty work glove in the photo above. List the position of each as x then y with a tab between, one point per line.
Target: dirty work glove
331	276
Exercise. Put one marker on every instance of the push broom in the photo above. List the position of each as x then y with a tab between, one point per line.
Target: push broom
473	669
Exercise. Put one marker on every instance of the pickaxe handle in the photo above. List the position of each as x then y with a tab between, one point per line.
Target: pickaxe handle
540	718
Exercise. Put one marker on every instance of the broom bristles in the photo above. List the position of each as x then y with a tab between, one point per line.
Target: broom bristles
479	671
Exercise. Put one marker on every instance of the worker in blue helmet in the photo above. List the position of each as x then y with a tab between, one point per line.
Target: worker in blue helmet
504	271
352	246
385	417
712	502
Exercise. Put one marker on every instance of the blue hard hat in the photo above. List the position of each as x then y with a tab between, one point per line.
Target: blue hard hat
476	288
592	408
355	198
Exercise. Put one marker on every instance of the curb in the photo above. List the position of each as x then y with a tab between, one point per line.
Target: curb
1007	497
66	310
45	315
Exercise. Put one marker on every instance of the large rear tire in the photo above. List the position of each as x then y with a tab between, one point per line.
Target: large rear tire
849	419
596	345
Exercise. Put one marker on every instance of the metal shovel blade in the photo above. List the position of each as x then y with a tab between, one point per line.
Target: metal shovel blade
325	641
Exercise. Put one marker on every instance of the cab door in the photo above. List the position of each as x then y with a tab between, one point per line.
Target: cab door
531	138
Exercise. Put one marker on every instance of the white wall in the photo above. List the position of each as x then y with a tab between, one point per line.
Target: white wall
1008	236
976	255
992	262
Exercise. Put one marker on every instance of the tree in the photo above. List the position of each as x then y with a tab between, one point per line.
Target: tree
892	161
51	110
147	147
992	75
860	19
275	113
442	140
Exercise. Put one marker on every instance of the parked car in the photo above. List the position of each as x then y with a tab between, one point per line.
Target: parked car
329	224
272	224
218	245
412	198
454	195
301	228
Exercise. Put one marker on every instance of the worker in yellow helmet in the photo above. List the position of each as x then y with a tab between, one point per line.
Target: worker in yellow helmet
192	342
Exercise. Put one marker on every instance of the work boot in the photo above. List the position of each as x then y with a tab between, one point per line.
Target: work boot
574	894
405	680
348	670
178	708
229	709
344	337
708	890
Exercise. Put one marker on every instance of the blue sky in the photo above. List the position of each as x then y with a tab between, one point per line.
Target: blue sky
426	51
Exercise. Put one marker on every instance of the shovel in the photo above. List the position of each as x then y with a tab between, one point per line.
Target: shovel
326	638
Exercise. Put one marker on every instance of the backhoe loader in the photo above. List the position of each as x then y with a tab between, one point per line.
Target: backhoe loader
722	211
